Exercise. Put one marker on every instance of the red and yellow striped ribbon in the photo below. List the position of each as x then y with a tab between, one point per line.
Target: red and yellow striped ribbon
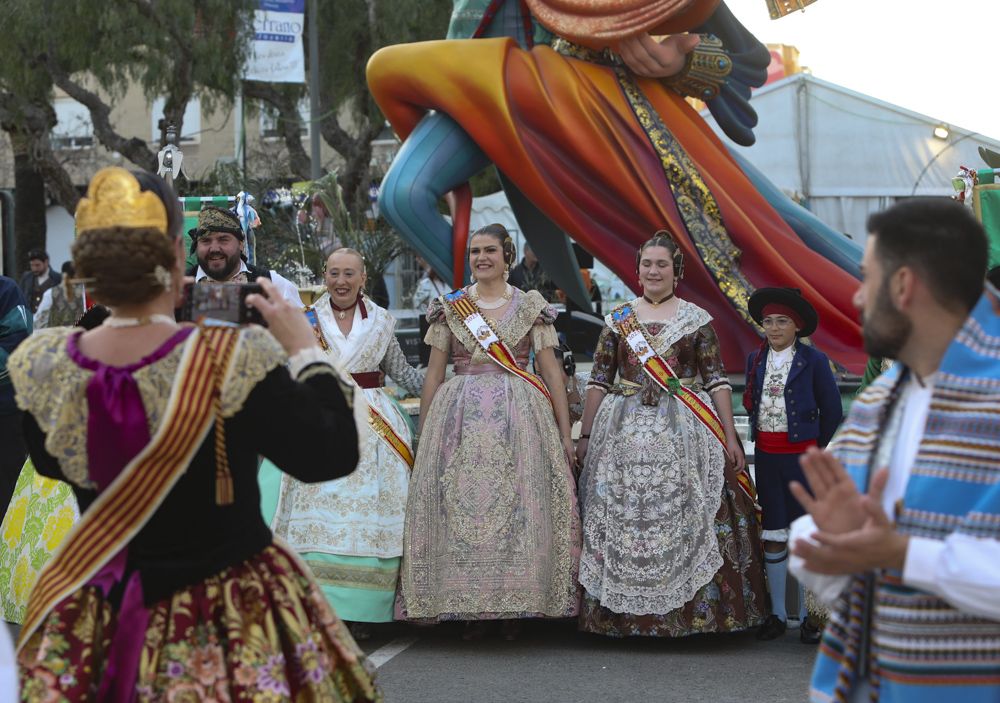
381	427
128	503
497	350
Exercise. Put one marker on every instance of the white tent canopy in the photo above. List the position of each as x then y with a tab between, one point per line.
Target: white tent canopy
846	154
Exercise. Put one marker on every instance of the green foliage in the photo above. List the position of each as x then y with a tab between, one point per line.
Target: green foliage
158	45
347	41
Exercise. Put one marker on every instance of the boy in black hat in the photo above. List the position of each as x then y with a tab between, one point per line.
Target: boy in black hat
793	403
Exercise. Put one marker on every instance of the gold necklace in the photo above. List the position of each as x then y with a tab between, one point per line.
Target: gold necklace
492	304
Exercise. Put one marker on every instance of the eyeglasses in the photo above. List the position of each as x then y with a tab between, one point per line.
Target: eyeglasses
779	322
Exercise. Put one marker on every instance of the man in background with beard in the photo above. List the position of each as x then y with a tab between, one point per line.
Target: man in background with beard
903	533
217	242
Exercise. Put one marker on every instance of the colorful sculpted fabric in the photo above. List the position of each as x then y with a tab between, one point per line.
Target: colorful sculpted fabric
350	531
167	605
611	158
656	476
492	527
924	649
40	516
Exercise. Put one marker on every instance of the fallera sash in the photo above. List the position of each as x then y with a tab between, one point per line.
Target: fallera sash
479	328
132	498
657	368
379	425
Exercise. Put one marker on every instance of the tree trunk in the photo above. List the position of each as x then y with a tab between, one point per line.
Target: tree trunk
29	204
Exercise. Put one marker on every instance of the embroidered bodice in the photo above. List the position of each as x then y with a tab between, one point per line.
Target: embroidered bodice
686	341
526	324
772	416
54	387
71	399
371	345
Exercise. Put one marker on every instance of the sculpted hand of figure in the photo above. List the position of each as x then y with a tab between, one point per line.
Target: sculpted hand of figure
836	505
287	323
649	58
875	545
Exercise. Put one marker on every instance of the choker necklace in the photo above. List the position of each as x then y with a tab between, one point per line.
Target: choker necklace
658	303
342	312
493	304
153	319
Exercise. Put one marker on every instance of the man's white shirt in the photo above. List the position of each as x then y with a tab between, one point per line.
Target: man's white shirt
963	570
287	289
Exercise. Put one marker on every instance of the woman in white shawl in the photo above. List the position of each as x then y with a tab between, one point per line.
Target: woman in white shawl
350	531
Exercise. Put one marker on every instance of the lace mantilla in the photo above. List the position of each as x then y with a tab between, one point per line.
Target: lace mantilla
53	388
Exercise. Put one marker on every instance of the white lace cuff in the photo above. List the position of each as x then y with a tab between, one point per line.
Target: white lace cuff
306	357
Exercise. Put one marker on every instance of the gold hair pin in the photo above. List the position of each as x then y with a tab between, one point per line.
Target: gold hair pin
114	199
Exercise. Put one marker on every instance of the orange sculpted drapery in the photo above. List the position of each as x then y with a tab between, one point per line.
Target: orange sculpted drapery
564	131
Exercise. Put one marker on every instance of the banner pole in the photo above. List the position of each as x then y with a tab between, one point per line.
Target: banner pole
315	168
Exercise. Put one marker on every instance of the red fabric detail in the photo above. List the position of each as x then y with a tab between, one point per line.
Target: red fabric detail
369	379
779	309
461	220
777	443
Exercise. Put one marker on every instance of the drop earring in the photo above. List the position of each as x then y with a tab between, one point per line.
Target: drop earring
506	273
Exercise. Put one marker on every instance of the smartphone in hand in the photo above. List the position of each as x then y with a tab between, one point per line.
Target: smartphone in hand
221	302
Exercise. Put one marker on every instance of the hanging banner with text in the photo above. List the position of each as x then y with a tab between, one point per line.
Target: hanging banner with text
276	55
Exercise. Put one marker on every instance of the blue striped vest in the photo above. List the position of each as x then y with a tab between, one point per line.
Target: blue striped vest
921	648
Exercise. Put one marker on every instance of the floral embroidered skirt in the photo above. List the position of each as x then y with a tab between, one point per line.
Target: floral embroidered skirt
259	631
492	529
42	511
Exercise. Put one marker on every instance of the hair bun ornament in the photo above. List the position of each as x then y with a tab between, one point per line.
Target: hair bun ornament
114	199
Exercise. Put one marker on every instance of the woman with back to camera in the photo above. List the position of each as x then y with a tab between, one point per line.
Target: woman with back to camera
671	545
492	529
170	585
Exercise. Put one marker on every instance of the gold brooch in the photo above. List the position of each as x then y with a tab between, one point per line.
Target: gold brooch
114	199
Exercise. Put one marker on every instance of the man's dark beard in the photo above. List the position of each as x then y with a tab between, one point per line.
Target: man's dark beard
232	266
885	330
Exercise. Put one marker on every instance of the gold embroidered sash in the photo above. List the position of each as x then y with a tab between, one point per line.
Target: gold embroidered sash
466	311
132	498
380	426
657	368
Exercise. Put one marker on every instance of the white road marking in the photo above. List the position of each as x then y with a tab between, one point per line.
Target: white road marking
383	654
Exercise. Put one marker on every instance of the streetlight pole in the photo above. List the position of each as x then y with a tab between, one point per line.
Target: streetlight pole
316	170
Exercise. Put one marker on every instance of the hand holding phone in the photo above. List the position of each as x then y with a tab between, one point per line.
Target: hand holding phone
223	302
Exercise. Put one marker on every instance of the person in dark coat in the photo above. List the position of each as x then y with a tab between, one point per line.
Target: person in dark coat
38	279
793	403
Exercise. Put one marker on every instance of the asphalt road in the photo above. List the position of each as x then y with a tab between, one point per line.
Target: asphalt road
552	662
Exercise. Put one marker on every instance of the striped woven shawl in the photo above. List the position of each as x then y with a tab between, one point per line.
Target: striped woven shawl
921	647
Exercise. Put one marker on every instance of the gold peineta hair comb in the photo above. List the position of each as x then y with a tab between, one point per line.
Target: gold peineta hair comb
114	199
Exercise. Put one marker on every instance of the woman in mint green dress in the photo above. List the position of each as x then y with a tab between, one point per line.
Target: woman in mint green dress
350	531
